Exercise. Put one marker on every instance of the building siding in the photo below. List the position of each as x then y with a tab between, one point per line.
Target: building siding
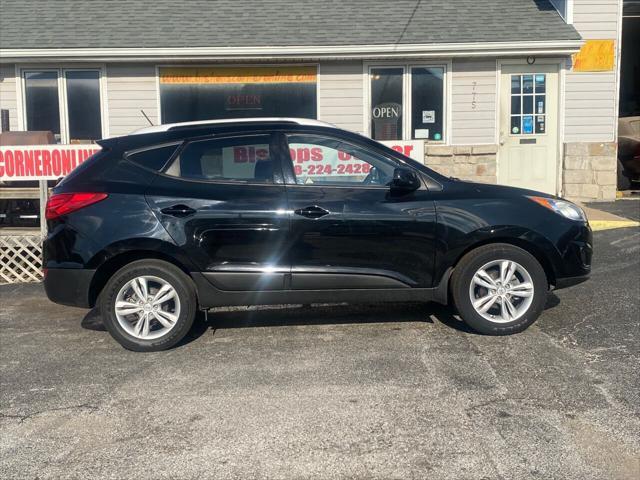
473	102
131	88
8	96
341	95
590	97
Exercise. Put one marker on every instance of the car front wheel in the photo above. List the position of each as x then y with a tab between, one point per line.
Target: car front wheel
148	305
499	289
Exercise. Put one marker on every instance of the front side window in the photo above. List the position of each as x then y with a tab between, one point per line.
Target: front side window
205	93
328	161
407	102
66	102
239	159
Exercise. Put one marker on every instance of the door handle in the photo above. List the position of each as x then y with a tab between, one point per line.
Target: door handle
311	212
178	211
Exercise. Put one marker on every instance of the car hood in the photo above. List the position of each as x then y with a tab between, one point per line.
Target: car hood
501	191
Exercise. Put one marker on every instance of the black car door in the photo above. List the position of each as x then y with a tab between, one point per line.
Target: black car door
223	201
347	229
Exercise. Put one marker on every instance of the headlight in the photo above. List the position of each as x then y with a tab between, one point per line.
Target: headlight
562	207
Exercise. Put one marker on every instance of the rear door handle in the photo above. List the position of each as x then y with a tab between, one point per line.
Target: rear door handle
311	212
178	211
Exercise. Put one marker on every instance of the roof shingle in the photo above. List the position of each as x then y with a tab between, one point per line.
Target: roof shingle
252	23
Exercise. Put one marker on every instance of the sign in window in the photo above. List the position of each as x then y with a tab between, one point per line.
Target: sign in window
206	93
396	114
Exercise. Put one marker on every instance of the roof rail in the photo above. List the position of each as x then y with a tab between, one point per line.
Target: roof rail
204	123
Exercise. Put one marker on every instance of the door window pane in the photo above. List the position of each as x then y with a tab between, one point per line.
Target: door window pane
42	106
527	104
427	98
386	103
189	93
516	81
527	84
83	105
322	161
245	159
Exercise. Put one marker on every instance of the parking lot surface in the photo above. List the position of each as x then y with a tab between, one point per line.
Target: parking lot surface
375	391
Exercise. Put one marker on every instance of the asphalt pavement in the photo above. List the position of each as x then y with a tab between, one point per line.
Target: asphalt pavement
376	391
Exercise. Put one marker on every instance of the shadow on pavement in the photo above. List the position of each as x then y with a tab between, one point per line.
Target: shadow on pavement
324	314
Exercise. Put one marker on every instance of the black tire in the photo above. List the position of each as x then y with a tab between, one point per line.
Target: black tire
477	258
624	183
168	272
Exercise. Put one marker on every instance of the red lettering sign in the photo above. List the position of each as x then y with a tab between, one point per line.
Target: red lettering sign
42	162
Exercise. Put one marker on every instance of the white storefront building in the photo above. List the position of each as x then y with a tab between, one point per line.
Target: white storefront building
515	92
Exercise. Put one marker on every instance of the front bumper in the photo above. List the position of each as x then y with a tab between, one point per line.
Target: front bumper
69	286
576	256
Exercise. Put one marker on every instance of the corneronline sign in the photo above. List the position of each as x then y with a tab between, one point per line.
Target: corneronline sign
42	162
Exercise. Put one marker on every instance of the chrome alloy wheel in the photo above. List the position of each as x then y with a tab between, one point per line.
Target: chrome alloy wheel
147	307
501	291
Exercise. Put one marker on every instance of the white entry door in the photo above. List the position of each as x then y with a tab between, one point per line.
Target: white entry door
528	153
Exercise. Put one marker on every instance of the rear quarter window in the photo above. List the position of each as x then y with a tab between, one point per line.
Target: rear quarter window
154	158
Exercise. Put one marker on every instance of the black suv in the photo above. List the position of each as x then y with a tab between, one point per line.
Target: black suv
183	217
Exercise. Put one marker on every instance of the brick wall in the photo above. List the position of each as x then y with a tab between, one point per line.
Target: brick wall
589	171
467	162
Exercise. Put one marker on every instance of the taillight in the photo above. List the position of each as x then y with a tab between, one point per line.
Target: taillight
65	203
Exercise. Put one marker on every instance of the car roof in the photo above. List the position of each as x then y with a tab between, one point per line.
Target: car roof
231	121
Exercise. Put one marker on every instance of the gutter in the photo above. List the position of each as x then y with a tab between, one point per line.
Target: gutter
482	49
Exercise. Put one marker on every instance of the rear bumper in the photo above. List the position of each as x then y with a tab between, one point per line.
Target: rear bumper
69	286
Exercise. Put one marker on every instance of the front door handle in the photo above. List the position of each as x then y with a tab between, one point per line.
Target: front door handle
178	211
311	212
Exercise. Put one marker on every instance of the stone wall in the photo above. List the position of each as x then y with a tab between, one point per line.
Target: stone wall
589	171
467	162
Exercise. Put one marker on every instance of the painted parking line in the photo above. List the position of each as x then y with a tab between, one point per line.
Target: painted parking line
598	225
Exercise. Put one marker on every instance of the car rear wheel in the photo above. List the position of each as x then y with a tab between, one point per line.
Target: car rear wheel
499	289
148	305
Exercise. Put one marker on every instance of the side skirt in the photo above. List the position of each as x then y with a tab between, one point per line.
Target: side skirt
209	296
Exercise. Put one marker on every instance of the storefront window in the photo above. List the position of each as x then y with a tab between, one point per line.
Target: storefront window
427	98
42	106
83	105
81	120
190	93
387	86
424	103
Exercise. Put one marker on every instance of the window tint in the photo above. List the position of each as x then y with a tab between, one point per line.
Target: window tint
322	160
234	159
83	105
153	158
203	93
42	107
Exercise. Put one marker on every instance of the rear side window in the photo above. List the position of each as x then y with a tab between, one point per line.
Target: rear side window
154	158
241	159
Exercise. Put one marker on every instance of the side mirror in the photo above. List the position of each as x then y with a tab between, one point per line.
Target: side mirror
405	180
